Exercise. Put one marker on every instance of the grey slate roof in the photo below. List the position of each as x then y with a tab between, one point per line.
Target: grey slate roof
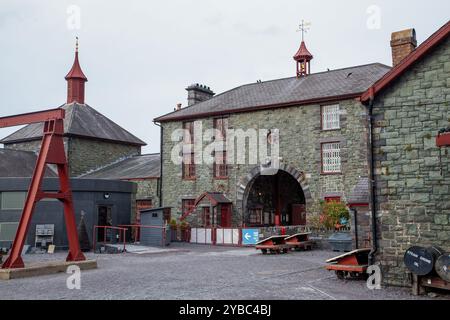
83	121
138	167
360	193
19	164
323	85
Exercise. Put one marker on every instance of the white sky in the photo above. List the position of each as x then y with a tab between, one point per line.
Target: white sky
139	56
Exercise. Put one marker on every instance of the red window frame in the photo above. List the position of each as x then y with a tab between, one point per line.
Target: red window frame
188	164
220	166
187	205
333	199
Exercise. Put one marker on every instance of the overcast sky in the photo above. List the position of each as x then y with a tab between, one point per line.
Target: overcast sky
139	56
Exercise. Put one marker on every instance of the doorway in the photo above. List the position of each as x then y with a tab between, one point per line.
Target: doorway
104	219
275	200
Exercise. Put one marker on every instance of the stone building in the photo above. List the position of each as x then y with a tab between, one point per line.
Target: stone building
410	104
322	129
110	177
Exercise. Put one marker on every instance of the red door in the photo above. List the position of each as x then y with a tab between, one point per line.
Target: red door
298	215
225	217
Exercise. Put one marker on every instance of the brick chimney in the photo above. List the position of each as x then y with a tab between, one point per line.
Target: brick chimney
402	43
198	93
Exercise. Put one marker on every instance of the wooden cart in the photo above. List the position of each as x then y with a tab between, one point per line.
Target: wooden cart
351	264
273	244
299	241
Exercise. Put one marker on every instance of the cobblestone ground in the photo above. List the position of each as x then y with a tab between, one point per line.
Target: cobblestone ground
200	272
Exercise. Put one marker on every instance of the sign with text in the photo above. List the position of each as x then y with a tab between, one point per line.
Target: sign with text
250	236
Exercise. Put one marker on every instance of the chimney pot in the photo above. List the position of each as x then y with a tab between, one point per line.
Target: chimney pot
402	44
179	106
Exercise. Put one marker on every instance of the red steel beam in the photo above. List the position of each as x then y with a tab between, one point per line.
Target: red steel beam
32	117
51	152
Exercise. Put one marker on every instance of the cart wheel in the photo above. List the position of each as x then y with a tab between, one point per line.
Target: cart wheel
264	251
272	251
340	275
285	250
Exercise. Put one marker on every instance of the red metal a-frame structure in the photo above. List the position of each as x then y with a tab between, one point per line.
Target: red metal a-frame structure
51	152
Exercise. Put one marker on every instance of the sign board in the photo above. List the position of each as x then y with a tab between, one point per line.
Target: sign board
250	236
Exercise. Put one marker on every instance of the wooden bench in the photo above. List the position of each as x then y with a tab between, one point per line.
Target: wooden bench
299	241
273	244
353	264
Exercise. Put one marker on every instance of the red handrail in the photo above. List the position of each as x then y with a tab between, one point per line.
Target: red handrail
94	236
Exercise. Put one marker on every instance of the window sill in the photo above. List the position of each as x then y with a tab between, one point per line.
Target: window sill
331	173
327	130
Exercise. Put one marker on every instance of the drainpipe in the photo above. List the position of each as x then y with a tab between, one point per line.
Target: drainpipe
161	163
372	186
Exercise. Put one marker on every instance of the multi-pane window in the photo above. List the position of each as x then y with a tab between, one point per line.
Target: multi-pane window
333	199
331	157
220	156
188	165
255	216
220	164
12	200
330	117
187	205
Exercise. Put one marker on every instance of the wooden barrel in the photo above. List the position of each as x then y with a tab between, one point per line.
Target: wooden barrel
442	266
421	260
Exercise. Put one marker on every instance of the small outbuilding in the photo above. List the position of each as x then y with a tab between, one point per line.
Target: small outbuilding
155	229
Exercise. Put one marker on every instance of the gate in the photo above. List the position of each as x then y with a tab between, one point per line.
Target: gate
216	236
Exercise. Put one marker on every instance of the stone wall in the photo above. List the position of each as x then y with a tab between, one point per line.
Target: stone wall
148	189
413	199
86	155
33	146
300	147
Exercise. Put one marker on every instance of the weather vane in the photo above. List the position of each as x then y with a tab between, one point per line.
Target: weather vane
304	27
76	44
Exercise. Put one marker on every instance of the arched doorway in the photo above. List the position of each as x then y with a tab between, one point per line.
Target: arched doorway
272	200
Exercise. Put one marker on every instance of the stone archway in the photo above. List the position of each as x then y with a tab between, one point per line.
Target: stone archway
246	183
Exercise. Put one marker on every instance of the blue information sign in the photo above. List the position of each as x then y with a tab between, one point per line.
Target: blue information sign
250	236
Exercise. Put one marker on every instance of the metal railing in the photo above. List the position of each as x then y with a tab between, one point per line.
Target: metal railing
138	229
122	236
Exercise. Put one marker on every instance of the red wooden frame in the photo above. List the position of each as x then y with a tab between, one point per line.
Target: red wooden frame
443	140
51	152
223	165
189	174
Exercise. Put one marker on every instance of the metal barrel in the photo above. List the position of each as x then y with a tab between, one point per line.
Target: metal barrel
420	260
442	266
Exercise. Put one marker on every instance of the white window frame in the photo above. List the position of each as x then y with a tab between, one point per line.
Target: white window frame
331	117
331	157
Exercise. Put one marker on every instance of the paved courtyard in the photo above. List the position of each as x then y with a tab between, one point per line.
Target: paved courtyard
200	272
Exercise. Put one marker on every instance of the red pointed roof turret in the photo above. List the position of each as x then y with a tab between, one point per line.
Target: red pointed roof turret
76	72
303	53
75	81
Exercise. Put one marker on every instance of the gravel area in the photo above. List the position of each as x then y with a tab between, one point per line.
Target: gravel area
204	273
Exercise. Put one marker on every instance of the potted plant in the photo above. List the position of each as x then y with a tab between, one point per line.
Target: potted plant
185	235
173	230
335	216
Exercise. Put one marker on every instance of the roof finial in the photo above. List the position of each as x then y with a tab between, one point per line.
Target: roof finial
76	45
304	27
